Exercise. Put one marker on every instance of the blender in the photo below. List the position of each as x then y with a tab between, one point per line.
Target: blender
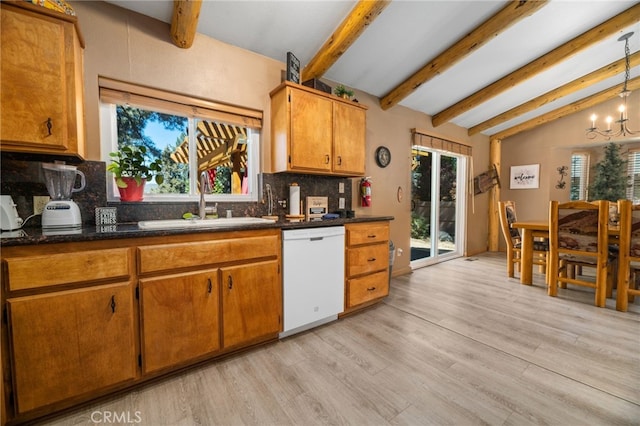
60	180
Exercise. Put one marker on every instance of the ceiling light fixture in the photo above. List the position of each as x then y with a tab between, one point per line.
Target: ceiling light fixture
622	126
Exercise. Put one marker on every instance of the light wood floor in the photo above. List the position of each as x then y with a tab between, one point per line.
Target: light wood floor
455	343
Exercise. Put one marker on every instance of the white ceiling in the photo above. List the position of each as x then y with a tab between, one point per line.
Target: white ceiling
408	34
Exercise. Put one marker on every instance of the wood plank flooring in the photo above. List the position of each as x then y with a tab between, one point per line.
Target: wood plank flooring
456	343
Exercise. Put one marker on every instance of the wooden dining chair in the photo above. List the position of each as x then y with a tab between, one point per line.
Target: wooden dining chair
578	236
629	254
507	214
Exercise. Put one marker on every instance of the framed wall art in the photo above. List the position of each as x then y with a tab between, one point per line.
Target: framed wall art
293	68
525	177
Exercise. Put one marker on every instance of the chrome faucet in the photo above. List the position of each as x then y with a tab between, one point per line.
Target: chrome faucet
205	188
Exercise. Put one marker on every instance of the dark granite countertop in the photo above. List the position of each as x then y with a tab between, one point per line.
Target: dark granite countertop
30	236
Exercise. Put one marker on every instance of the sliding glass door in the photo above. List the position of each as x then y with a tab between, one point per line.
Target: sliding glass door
438	182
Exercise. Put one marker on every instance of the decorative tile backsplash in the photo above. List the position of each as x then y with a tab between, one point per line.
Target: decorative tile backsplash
21	177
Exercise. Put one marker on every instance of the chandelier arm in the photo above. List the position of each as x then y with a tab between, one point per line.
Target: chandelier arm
592	132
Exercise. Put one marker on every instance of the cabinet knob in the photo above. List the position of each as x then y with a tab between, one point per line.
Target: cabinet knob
113	304
370	288
327	158
371	259
229	282
339	160
371	236
49	125
210	285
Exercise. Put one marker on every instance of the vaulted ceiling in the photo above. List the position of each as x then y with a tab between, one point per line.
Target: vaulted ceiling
493	67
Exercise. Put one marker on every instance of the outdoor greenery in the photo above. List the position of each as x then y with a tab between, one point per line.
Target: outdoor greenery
171	177
421	178
610	182
419	227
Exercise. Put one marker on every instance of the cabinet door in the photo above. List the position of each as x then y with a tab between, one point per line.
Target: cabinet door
311	132
180	318
251	302
37	82
71	343
349	128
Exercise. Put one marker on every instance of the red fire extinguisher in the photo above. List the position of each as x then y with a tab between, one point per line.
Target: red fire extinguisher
365	192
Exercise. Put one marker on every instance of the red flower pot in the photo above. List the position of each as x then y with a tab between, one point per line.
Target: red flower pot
133	191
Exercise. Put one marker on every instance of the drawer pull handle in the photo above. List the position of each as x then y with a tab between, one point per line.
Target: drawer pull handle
229	282
339	160
371	236
371	259
113	304
327	159
370	288
49	125
210	286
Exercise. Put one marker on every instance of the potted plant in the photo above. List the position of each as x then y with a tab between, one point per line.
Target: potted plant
343	92
132	169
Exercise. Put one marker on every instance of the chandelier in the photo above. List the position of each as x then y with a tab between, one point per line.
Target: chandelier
620	128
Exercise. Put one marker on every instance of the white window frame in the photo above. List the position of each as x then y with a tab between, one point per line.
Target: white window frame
633	168
109	142
583	188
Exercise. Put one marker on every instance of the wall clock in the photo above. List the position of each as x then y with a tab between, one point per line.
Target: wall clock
383	156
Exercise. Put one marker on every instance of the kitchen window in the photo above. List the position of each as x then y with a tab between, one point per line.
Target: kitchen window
189	135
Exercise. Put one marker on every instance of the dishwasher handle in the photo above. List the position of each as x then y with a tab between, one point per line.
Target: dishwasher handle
316	238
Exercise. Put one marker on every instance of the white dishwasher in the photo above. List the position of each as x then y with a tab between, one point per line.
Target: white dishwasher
313	278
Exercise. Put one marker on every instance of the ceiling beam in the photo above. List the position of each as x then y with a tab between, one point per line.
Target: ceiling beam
362	15
603	73
578	44
184	22
574	107
513	12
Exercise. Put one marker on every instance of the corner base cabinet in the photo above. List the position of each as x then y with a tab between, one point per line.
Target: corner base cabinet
98	317
367	264
317	133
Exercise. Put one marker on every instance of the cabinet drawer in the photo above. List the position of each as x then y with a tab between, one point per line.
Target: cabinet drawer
365	233
165	257
365	259
66	268
369	287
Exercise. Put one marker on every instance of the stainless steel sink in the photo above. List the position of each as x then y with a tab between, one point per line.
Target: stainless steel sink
202	223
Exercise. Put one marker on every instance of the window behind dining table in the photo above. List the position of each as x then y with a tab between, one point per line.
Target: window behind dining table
633	173
579	175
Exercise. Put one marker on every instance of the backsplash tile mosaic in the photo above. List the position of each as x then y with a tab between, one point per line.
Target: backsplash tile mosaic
21	177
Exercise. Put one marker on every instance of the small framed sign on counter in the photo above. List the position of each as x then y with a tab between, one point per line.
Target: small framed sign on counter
293	68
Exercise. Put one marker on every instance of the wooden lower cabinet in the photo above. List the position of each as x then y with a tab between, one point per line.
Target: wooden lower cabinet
179	318
69	343
367	264
103	316
251	302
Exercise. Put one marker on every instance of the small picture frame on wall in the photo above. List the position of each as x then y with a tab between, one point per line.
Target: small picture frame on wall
525	177
293	68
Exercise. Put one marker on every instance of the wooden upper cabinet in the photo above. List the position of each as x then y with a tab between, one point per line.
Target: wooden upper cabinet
310	141
349	126
41	82
315	132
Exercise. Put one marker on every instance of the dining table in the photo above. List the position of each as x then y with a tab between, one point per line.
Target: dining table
530	230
